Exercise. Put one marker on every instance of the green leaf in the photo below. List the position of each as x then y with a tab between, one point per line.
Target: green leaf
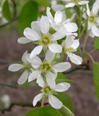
97	43
43	2
65	99
6	11
61	78
96	77
43	111
64	111
28	14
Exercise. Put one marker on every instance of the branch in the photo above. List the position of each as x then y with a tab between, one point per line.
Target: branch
8	23
22	104
8	85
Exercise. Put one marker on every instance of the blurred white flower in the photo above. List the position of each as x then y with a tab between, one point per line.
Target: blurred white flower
70	45
5	99
48	91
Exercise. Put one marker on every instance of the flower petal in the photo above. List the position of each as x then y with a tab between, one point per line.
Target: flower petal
23	77
31	34
95	30
75	44
40	81
37	50
44	24
37	98
61	67
61	87
88	10
24	56
74	58
35	26
34	75
58	17
71	27
15	67
83	2
55	48
49	56
23	40
58	7
55	103
70	5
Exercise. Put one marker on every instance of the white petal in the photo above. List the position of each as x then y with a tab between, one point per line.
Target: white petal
24	56
23	40
34	75
37	50
60	33
58	17
23	77
40	81
74	58
69	41
49	15
31	34
71	27
58	7
61	67
50	81
35	26
55	103
55	48
49	56
15	67
70	5
61	87
95	8
83	2
37	98
95	30
44	24
89	25
88	10
75	44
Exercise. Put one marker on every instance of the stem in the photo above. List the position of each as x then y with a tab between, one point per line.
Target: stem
90	57
8	85
84	43
92	50
42	103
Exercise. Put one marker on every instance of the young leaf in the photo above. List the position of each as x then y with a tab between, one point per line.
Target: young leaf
28	14
64	111
43	111
96	77
61	78
43	2
6	11
97	43
65	99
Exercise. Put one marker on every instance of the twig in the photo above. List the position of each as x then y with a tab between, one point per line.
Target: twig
22	104
8	85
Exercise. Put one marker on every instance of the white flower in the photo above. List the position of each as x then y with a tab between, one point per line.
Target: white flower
48	91
93	21
70	45
72	3
41	35
26	67
48	68
60	20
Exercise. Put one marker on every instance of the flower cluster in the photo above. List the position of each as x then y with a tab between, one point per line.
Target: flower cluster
54	36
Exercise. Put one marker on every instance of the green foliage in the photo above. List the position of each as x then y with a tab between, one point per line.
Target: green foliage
44	3
65	99
97	43
28	14
64	111
43	111
61	78
6	11
96	77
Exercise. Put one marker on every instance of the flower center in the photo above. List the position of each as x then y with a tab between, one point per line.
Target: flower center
46	67
76	1
92	18
67	49
47	90
27	66
45	40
